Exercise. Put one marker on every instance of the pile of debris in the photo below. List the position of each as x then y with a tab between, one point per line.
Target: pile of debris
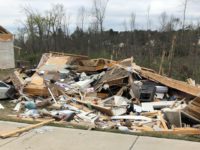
106	94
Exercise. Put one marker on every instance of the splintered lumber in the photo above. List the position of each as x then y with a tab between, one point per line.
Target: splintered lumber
105	110
36	87
18	131
162	120
142	128
85	125
94	65
183	131
66	54
131	117
17	80
120	92
36	90
52	95
193	109
172	83
102	95
150	114
191	82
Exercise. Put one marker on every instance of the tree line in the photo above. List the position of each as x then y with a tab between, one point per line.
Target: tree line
173	49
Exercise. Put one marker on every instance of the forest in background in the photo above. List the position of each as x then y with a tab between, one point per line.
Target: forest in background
175	45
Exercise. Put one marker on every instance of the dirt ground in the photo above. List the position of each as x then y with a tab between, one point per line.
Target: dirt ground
8	108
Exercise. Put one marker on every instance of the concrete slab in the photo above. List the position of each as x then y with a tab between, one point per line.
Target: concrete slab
151	143
70	139
8	126
54	138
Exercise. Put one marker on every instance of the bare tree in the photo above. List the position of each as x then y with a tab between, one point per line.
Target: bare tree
81	17
57	23
94	27
30	27
171	56
148	17
132	28
149	49
99	10
163	19
124	24
184	14
66	24
132	21
172	24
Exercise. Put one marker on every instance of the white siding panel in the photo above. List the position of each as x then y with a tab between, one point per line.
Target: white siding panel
6	55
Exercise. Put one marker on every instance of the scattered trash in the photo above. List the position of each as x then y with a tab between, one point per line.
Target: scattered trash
1	106
106	94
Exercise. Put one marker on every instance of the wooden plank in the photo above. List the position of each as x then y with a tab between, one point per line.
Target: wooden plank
105	110
142	128
61	123
102	95
6	37
185	131
121	91
162	121
34	90
18	131
67	54
172	83
17	80
193	109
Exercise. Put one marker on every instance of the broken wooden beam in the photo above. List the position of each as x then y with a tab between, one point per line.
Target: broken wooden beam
172	83
162	120
183	131
192	110
17	80
18	131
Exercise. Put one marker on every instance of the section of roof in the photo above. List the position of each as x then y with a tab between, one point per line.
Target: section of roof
3	30
5	35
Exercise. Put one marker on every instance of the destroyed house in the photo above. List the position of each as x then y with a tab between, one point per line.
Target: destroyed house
6	49
104	94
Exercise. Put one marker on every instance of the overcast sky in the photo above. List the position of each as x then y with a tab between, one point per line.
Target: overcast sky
117	11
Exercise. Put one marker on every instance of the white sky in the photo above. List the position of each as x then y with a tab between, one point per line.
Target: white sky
117	11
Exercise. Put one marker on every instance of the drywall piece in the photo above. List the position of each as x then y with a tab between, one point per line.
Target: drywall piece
129	117
174	118
1	106
150	106
17	107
